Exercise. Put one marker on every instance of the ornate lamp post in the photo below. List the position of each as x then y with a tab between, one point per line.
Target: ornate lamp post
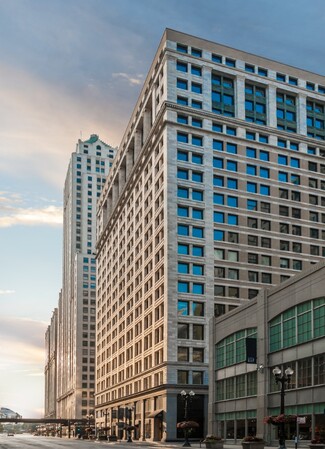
187	398
283	378
90	418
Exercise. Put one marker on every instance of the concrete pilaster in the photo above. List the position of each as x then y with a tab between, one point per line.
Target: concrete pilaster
146	123
271	106
137	144
302	114
240	97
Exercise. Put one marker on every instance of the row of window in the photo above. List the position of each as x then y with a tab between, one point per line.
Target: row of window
237	387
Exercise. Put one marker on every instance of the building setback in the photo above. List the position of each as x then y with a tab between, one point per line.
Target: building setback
217	191
76	314
288	323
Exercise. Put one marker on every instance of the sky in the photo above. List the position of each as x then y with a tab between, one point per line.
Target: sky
71	68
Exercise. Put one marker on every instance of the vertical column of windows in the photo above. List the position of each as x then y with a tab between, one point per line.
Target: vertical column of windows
255	104
286	112
223	96
315	120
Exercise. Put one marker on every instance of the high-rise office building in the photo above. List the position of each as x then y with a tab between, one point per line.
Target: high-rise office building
76	315
50	370
217	191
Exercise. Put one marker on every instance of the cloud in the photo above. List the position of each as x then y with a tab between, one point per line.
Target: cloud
133	80
7	292
50	215
15	209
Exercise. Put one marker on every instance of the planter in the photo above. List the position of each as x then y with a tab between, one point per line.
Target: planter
214	444
253	444
317	446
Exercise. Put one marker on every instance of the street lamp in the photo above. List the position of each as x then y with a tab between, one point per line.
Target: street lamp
89	417
284	379
187	398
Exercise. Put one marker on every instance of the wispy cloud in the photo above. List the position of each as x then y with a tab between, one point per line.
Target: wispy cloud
7	292
134	80
14	210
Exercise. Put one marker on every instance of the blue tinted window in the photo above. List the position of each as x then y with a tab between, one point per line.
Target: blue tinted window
182	155
217	162
282	143
182	192
232	201
182	119
264	172
251	205
182	137
218	217
183	287
264	155
183	267
182	211
183	308
232	220
218	235
182	100
230	131
197	122
290	116
181	84
197	71
230	62
183	249
197	176
197	195
249	105
295	162
198	289
249	68
264	190
183	229
181	66
198	251
231	148
232	165
250	136
311	150
197	158
251	152
251	187
197	88
198	270
218	198
196	52
260	108
197	214
217	145
182	48
321	89
263	139
216	96
280	113
197	140
282	176
182	174
251	170
218	181
310	86
216	58
196	104
293	81
262	72
295	179
216	127
198	232
232	183
282	160
280	77
228	99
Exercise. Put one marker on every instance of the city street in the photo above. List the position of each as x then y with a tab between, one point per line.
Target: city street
27	441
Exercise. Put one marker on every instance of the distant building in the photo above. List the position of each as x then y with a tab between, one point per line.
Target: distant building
217	192
51	341
288	323
7	413
76	315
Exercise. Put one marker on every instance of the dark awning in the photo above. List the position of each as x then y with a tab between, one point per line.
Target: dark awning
156	414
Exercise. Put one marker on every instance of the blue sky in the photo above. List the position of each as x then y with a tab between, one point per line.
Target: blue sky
70	68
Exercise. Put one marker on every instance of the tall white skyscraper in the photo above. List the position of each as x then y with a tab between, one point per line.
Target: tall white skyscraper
75	365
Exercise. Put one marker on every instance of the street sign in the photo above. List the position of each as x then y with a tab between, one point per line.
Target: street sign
301	419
